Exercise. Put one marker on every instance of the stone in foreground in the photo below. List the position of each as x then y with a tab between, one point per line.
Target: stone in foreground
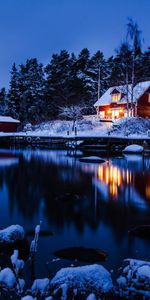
82	281
134	280
12	234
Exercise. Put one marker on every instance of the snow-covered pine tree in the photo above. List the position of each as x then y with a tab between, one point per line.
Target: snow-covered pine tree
84	70
13	94
3	102
31	88
57	81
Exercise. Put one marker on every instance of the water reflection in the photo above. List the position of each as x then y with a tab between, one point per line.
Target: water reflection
88	204
127	178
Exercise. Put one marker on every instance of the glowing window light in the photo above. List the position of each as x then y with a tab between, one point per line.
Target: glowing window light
116	97
148	191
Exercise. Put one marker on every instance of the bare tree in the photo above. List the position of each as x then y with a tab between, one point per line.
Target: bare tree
134	40
72	112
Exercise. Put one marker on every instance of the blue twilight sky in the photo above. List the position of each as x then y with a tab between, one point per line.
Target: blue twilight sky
38	28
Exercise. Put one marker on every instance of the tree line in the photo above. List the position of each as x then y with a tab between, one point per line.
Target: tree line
36	92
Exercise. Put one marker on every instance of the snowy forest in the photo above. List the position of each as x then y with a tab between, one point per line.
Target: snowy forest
37	93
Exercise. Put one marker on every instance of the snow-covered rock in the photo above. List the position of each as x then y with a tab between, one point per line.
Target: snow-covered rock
92	159
40	285
12	234
28	297
133	149
91	297
135	279
20	284
85	280
7	278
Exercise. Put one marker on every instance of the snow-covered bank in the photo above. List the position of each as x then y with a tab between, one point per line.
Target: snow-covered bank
90	282
91	126
135	128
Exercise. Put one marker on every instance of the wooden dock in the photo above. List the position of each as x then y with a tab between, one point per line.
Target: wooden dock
85	143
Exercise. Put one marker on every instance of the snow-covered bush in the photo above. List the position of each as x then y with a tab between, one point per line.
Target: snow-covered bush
27	127
131	126
18	264
34	242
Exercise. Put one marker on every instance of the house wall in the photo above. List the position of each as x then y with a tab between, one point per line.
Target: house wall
8	127
143	107
108	109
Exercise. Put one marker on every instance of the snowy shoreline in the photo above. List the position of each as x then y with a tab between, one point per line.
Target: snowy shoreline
89	282
88	127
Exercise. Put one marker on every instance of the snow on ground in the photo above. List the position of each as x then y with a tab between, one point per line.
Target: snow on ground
135	279
91	126
11	234
84	280
88	127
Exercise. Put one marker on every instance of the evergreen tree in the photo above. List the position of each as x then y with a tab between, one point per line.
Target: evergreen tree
84	74
31	83
13	94
57	81
3	102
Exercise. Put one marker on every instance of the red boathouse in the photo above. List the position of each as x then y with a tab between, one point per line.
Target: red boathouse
8	124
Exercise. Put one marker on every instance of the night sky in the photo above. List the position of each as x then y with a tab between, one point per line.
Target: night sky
38	28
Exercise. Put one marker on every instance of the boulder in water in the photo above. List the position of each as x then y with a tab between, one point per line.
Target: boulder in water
92	159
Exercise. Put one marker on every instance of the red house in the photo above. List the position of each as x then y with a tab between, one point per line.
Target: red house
8	124
116	102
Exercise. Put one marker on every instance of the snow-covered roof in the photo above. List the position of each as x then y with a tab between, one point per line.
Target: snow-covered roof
138	91
6	119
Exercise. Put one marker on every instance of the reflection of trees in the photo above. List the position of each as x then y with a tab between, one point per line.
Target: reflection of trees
23	187
36	180
32	181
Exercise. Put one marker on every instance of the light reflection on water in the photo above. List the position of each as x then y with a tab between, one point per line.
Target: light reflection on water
103	202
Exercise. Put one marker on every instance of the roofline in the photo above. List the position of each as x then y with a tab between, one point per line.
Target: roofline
113	87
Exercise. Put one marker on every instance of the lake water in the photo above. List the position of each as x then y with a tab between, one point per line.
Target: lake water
103	202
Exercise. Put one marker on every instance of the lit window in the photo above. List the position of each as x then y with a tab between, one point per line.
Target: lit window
102	114
116	97
149	97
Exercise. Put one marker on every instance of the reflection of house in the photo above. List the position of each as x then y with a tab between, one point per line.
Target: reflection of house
8	124
118	183
7	159
113	103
